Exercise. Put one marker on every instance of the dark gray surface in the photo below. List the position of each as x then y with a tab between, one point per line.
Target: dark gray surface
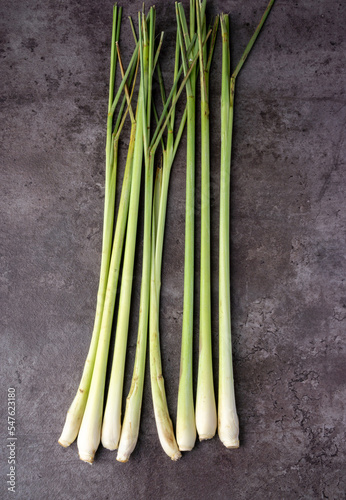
288	253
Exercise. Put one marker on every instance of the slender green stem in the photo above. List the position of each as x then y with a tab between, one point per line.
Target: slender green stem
130	429
158	50
206	419
162	418
156	201
111	422
228	424
152	17
162	87
186	427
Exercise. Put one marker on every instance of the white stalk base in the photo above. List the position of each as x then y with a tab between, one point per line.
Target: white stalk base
228	429
70	430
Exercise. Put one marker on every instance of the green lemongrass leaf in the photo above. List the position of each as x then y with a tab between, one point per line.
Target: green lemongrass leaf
181	37
115	37
201	52
157	121
131	80
118	127
179	133
212	43
151	64
226	55
175	75
143	42
158	50
181	19
133	29
192	18
113	57
126	89
119	117
160	131
145	19
162	88
203	7
124	80
164	112
252	40
156	199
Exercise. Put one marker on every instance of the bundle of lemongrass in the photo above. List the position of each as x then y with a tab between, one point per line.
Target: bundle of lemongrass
88	417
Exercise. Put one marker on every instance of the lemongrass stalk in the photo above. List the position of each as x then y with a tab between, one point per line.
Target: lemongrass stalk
76	410
163	421
156	200
130	429
206	418
228	423
131	422
161	412
111	427
186	427
162	418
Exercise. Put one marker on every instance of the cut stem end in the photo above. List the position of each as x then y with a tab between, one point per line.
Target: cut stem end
86	457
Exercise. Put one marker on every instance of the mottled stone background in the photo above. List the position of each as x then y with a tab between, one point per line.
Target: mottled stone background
288	260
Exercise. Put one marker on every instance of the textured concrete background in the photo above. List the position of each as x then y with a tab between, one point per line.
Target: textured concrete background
288	252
